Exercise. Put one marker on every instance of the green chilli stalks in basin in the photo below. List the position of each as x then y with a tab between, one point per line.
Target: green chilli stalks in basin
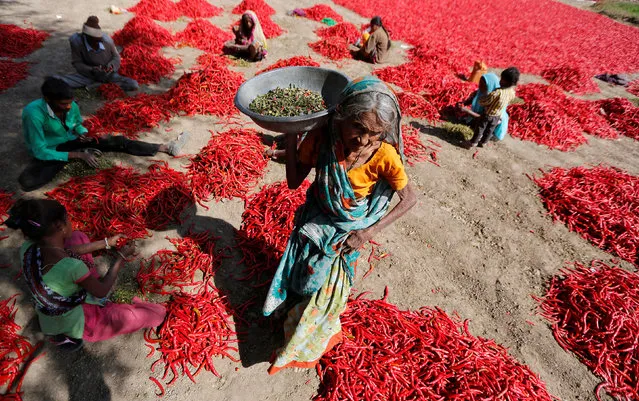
288	102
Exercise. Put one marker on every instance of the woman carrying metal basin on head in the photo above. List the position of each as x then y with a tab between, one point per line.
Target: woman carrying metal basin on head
358	160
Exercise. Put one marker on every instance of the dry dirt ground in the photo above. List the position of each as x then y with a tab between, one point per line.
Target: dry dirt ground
479	241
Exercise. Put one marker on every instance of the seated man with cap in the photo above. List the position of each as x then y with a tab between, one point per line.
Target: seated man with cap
95	58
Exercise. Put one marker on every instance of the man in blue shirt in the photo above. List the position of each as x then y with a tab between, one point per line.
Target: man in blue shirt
54	135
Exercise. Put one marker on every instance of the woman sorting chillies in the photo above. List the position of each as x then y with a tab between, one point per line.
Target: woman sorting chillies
250	42
359	166
57	265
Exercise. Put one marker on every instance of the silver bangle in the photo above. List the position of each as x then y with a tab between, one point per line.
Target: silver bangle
106	244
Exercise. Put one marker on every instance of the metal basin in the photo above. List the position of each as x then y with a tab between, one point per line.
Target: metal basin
329	83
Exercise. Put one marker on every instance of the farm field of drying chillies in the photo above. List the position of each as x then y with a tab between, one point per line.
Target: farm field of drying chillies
388	352
542	34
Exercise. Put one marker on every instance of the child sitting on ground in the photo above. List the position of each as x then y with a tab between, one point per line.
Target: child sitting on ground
494	104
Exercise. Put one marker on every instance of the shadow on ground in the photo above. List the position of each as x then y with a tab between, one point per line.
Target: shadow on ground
454	139
80	374
255	333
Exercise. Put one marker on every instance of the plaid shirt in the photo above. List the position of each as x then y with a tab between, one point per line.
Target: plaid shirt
496	101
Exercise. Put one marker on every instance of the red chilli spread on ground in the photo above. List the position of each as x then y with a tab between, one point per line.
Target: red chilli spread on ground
335	41
259	6
633	87
571	79
11	73
198	9
143	31
451	92
129	116
167	270
593	314
270	28
161	10
111	91
6	202
203	35
267	223
343	29
320	11
549	117
414	105
198	327
120	200
565	36
622	115
408	76
209	90
600	203
391	354
415	150
20	42
435	79
146	65
291	62
209	60
540	120
333	48
228	166
17	353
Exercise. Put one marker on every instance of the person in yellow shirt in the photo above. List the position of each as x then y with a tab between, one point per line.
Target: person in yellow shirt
359	166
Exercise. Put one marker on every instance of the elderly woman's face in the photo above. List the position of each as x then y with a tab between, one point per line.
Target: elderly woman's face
363	131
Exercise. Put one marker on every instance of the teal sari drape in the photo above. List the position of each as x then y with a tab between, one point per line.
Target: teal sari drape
330	213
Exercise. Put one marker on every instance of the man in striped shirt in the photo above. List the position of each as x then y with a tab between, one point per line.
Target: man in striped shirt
494	104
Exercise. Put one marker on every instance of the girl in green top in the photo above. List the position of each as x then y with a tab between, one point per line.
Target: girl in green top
58	268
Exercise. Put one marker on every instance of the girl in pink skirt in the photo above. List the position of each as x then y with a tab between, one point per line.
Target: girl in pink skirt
68	293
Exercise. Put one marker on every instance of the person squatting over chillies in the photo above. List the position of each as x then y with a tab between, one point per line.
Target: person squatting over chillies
54	135
472	111
375	45
68	293
493	107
